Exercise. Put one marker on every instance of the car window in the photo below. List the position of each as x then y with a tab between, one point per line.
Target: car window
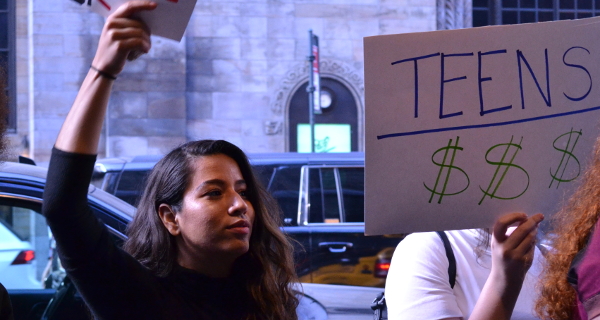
106	181
352	182
285	188
27	261
263	174
323	198
131	185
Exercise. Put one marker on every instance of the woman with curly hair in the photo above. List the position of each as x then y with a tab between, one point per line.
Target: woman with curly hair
205	242
570	283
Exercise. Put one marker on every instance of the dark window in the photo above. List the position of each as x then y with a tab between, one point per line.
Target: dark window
323	198
352	182
7	58
498	12
341	115
131	185
285	188
264	174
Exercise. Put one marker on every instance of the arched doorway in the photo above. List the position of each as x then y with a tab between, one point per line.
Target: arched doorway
336	129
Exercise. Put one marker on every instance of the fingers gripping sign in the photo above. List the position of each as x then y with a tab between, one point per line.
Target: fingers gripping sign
123	36
512	254
169	21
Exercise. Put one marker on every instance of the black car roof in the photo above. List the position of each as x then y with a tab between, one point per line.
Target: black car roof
146	162
29	174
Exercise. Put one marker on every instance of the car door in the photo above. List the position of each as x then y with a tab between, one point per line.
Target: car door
283	183
34	278
340	251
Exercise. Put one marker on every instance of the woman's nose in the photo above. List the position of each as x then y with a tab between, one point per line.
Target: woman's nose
238	205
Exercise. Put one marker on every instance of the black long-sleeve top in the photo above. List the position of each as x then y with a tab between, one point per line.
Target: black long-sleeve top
6	312
113	284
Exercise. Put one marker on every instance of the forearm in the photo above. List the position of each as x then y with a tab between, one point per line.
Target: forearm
81	130
497	299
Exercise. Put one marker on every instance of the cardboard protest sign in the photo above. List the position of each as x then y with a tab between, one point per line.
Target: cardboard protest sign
169	19
463	126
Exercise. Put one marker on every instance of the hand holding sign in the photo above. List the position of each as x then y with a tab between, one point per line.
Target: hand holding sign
512	254
121	36
169	20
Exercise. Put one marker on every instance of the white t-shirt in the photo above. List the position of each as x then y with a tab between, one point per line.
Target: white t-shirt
418	287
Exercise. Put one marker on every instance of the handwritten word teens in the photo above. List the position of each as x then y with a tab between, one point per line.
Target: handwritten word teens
577	58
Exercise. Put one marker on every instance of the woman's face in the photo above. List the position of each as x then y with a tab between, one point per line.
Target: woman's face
216	218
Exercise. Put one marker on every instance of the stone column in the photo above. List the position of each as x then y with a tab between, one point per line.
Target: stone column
454	14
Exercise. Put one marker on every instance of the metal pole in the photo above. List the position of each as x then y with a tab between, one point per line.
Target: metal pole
311	89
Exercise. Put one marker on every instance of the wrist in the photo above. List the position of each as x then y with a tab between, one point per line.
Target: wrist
103	73
505	281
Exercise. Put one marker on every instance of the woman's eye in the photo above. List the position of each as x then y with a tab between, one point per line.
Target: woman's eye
243	193
214	193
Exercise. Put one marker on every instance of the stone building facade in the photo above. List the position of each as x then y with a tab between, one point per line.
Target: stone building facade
232	76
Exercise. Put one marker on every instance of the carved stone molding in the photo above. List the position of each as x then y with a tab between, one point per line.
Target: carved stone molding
287	86
350	76
272	128
454	14
345	73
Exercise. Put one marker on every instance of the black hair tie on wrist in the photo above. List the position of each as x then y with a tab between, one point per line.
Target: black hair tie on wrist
103	74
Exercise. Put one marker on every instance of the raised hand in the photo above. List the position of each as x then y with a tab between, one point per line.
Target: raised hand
122	36
512	255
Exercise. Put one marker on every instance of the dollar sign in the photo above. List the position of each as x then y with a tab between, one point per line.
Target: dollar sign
449	167
568	154
506	166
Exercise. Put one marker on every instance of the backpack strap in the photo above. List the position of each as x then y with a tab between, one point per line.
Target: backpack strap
450	255
379	305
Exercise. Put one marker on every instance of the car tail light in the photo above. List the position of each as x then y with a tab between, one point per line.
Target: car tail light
382	266
24	257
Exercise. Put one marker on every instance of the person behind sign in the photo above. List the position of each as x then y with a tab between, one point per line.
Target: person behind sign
570	282
205	242
496	273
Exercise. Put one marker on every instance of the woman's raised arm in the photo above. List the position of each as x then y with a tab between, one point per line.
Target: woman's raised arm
512	255
121	37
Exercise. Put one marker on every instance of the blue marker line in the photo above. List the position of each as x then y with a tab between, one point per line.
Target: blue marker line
486	125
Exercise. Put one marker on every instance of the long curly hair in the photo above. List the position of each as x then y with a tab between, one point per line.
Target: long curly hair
571	226
267	268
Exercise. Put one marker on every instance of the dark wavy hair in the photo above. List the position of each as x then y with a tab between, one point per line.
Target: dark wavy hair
267	268
572	227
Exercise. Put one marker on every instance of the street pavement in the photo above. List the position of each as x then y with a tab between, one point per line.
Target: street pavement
343	302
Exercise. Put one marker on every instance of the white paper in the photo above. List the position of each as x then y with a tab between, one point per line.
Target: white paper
169	19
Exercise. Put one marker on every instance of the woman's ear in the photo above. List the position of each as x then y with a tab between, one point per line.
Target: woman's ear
169	219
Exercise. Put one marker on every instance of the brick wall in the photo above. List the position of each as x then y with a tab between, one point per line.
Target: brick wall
220	81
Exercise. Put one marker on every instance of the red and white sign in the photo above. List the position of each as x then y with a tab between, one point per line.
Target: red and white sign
169	19
316	75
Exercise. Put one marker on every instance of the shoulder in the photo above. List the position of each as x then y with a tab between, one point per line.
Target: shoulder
418	286
418	243
423	255
428	244
419	255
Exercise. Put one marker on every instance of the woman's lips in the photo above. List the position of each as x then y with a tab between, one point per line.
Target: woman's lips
241	226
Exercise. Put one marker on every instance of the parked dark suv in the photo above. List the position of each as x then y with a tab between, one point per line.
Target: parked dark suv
322	199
